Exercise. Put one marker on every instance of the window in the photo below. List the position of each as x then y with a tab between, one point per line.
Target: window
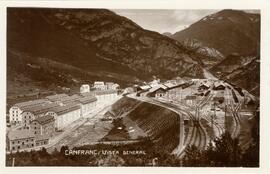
26	140
35	132
12	142
35	127
13	148
18	141
19	147
32	145
22	143
32	139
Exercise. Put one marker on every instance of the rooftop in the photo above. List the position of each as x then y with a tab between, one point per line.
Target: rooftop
30	103
20	134
190	97
41	108
70	98
65	109
145	87
155	88
44	119
88	94
87	99
104	92
56	97
98	83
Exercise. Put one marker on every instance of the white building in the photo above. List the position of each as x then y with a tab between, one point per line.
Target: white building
115	86
15	111
65	115
35	112
85	88
106	96
100	85
87	104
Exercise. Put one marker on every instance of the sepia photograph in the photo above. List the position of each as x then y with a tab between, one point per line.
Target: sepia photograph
116	87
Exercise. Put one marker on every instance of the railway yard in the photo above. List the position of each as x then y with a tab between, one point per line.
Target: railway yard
200	121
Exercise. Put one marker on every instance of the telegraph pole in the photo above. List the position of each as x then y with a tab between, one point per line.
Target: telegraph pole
13	162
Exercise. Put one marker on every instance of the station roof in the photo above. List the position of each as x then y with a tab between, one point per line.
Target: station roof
104	92
87	99
44	119
30	103
40	109
65	109
56	97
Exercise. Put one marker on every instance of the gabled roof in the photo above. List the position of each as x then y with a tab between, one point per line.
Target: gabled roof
88	94
70	98
40	109
169	84
158	87
30	103
65	109
104	92
109	83
44	119
145	87
87	99
56	97
98	83
20	134
219	83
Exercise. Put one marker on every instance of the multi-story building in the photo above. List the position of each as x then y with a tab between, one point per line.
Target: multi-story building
115	86
15	112
84	88
106	96
65	115
20	139
109	85
98	85
87	103
43	125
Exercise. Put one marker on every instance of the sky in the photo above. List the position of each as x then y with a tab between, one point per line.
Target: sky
164	20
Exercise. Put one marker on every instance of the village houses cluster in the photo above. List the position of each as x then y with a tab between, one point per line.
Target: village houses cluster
35	122
181	89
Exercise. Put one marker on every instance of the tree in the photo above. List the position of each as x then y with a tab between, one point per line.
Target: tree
224	152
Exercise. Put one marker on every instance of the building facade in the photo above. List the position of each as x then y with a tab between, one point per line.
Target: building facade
15	112
98	85
20	139
85	88
43	125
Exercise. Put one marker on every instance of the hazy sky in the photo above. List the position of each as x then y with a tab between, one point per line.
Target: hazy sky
164	20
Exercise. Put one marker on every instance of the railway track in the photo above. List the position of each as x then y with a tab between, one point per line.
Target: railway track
196	135
234	110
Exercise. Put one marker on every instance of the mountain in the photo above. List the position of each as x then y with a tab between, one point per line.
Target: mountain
168	34
231	38
241	70
73	46
227	31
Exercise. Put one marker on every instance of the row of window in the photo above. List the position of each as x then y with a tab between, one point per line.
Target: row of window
18	147
13	142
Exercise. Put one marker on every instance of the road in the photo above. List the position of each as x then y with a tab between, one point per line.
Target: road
209	75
